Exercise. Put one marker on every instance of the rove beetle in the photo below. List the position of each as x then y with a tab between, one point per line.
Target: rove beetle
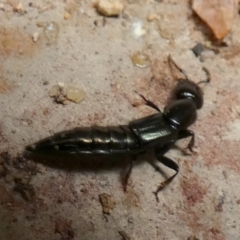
157	132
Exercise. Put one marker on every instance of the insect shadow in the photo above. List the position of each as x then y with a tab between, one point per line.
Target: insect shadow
95	163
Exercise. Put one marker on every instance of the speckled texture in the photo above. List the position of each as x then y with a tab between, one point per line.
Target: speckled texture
94	54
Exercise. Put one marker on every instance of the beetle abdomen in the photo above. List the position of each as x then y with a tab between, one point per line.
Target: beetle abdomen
99	140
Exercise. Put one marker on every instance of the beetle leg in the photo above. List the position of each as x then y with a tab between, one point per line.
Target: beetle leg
166	162
125	183
187	133
170	164
208	76
149	103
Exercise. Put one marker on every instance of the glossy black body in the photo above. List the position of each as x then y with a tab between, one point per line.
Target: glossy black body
158	132
91	140
138	136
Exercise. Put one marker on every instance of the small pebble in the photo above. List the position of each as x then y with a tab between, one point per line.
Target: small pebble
41	24
67	16
2	6
110	8
153	17
35	36
198	49
19	8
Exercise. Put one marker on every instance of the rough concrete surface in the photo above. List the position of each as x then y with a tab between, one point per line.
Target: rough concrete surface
86	50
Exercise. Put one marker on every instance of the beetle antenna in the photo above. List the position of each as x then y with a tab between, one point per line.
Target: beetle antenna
170	60
148	102
208	76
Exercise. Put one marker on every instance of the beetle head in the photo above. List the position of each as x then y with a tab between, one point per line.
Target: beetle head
187	89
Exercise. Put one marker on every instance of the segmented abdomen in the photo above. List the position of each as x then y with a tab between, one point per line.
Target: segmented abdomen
100	140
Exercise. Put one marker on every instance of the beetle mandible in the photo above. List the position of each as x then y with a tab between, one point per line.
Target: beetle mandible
159	131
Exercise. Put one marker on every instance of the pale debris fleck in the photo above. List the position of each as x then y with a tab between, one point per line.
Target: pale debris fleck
63	94
51	31
141	60
75	94
108	202
138	29
58	93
